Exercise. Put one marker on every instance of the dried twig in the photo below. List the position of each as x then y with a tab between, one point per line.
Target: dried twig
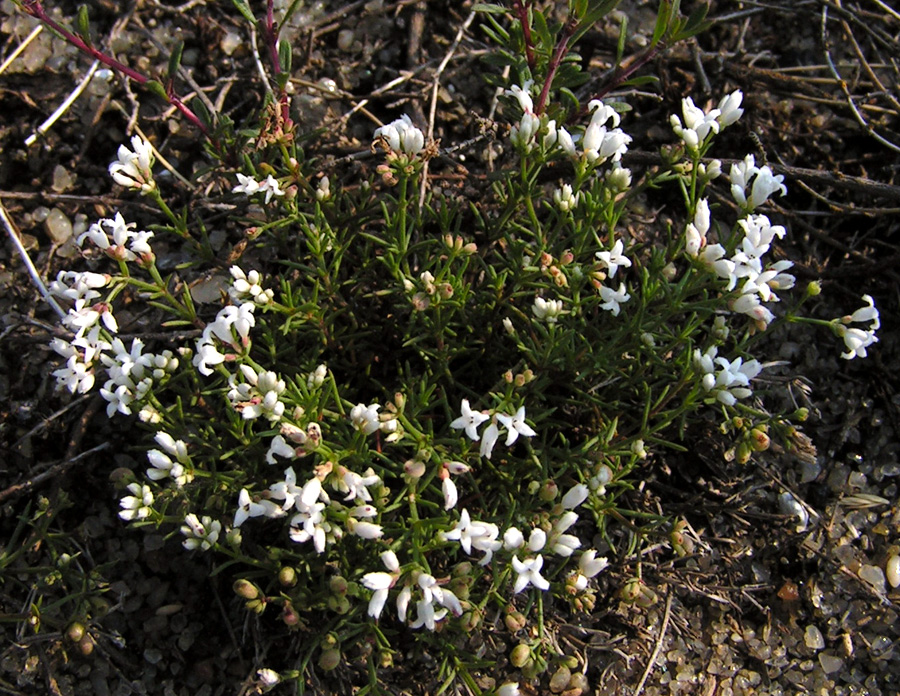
53	472
656	648
26	259
21	47
62	108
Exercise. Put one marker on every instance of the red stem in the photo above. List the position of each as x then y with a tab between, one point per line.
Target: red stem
522	12
36	10
555	61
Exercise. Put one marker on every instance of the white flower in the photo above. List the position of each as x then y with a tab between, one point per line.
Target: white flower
599	143
697	124
565	199
856	341
765	183
509	689
522	95
389	558
137	505
547	310
379	583
614	258
451	496
357	486
613	298
248	287
402	136
286	490
522	134
529	573
695	233
247	507
268	678
867	313
201	533
515	426
368	530
163	467
464	531
491	434
729	108
513	539
247	185
575	496
469	420
134	170
280	447
271	188
365	418
590	565
537	539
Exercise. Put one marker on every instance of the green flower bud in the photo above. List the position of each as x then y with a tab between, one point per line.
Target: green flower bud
245	589
814	289
287	576
520	655
329	659
548	491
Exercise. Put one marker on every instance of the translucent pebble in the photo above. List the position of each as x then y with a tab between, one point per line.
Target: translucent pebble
230	42
58	225
892	570
346	37
40	213
62	180
874	576
856	479
813	638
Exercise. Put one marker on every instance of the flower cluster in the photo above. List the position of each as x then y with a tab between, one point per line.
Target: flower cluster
731	381
134	168
744	270
697	126
118	239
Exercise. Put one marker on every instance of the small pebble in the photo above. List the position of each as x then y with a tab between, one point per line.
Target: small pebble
813	638
230	42
58	225
874	576
892	570
830	663
346	37
62	179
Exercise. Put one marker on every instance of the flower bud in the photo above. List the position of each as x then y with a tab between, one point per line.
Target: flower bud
814	289
520	655
338	585
75	632
414	468
801	414
759	440
548	491
515	621
245	589
743	453
287	576
329	659
86	645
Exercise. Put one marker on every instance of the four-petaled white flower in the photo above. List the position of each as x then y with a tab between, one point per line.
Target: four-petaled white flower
516	425
529	573
614	258
137	505
469	420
